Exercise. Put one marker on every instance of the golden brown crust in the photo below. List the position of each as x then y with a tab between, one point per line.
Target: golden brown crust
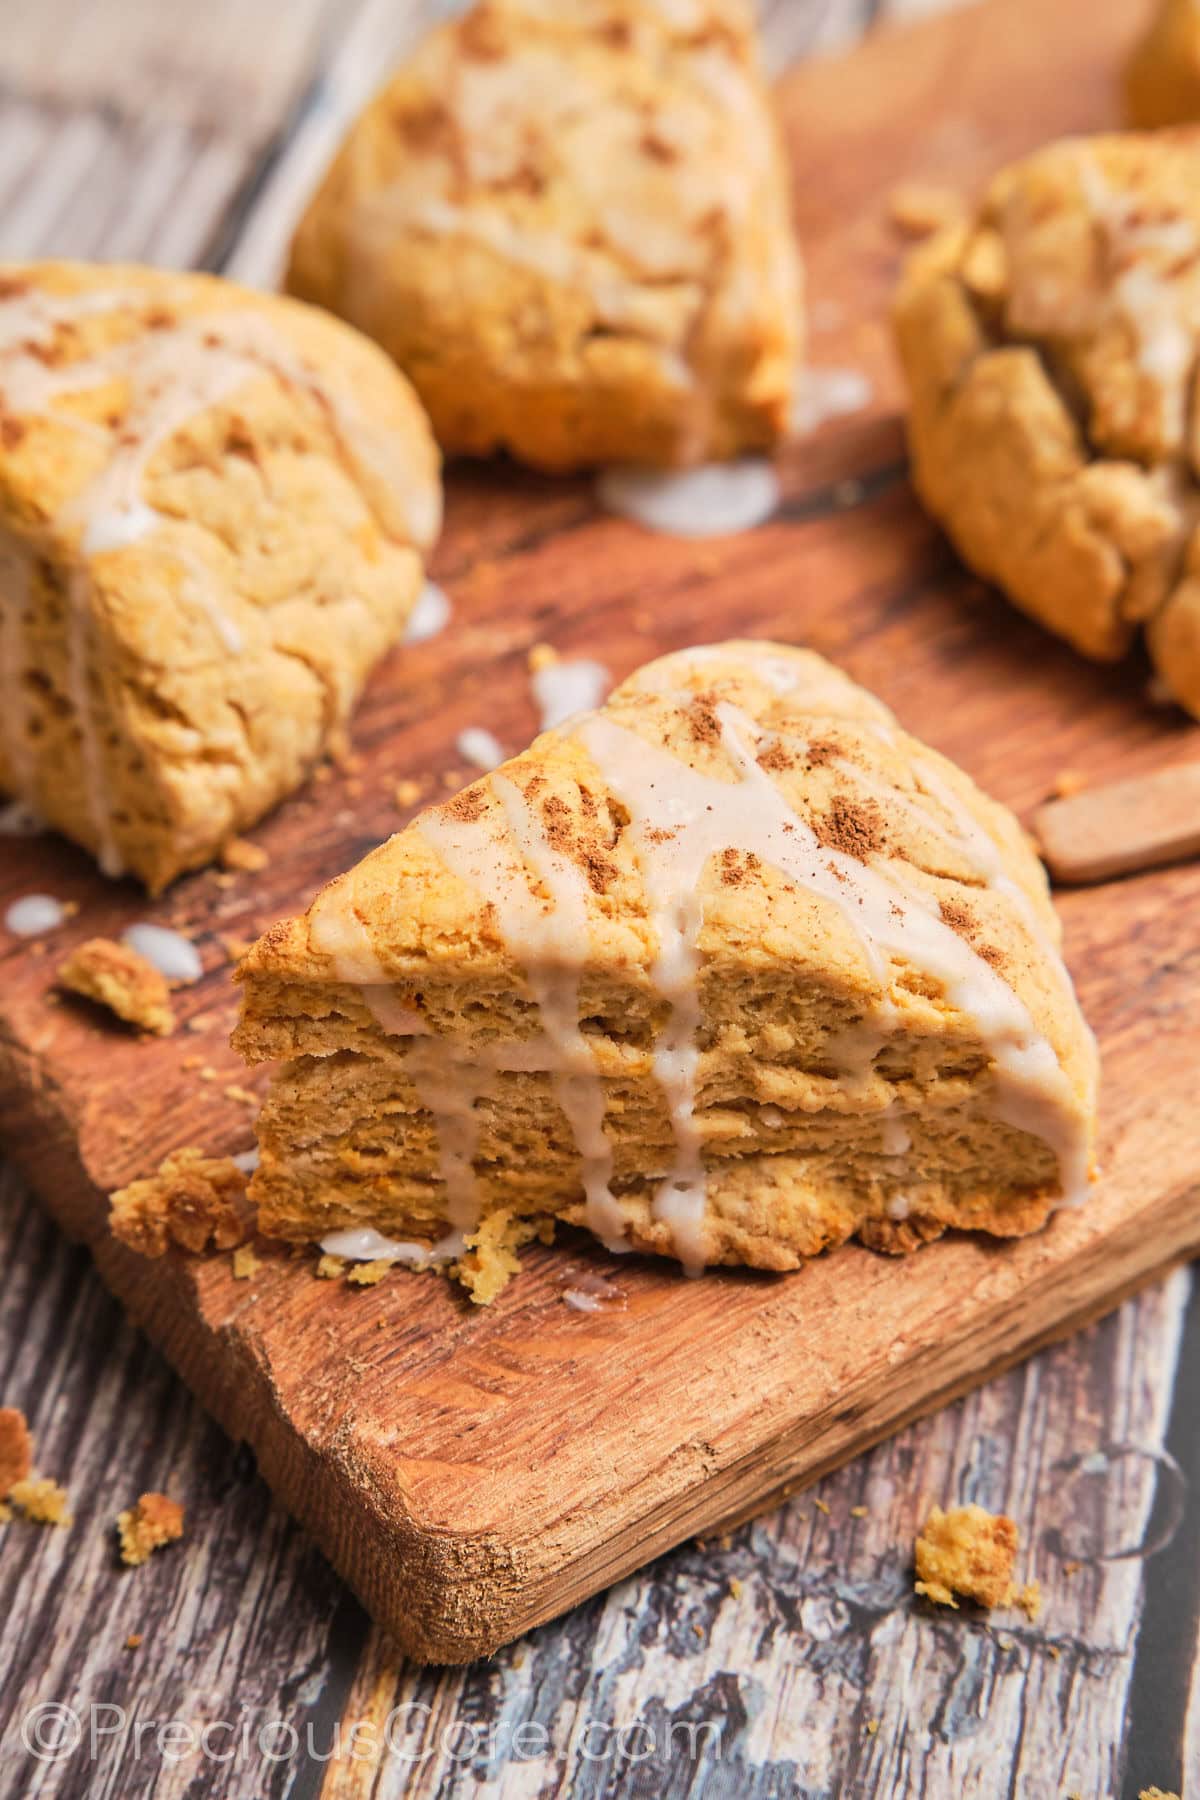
1050	347
193	1200
568	223
213	510
122	980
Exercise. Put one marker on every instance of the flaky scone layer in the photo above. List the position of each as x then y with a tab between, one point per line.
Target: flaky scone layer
730	970
1050	348
213	510
568	222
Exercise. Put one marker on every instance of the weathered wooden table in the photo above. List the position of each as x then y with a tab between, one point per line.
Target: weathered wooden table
788	1660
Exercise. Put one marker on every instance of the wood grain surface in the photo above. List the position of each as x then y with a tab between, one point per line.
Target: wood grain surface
790	1675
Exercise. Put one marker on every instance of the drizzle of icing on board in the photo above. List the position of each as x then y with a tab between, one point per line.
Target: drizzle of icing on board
710	501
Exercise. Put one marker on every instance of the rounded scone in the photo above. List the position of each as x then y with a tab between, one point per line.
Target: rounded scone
1050	348
568	222
731	970
1162	76
214	506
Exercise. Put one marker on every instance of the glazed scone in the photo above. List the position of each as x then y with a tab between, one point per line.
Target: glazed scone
213	511
1050	348
568	222
730	970
1162	76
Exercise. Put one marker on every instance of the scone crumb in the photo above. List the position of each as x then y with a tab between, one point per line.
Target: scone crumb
134	1641
245	1264
370	1274
331	1268
822	1506
243	1095
1068	782
859	1512
919	208
872	1726
117	977
735	1587
144	1528
406	793
193	1200
542	656
969	1552
1029	1599
16	1449
240	853
1157	1794
42	1500
491	1260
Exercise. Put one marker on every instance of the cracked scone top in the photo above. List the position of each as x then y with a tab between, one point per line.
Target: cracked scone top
729	970
213	510
1050	348
568	222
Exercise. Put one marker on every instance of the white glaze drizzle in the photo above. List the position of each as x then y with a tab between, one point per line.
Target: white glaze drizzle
703	816
709	501
549	940
679	818
34	914
480	747
359	1243
430	614
174	374
173	955
429	1062
1159	309
563	689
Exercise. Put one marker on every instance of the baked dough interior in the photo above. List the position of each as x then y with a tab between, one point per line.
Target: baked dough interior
729	970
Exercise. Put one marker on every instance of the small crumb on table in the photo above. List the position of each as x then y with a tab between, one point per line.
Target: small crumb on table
245	1264
41	1500
919	208
16	1449
193	1200
144	1528
968	1552
369	1274
124	981
134	1641
239	853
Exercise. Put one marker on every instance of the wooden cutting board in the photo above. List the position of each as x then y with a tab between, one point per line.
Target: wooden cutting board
472	1473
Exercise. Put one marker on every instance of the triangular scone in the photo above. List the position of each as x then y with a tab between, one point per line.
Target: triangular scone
213	509
568	222
731	970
